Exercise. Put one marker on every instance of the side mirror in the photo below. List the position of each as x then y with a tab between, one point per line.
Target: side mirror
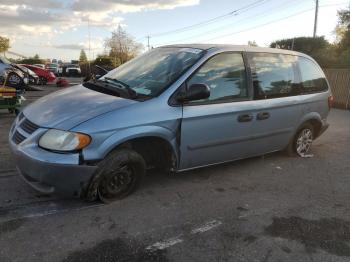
194	92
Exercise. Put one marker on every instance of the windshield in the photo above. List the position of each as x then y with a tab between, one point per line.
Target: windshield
152	72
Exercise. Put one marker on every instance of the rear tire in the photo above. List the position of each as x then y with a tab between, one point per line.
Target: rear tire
302	141
118	175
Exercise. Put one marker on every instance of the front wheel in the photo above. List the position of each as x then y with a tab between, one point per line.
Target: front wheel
302	141
119	174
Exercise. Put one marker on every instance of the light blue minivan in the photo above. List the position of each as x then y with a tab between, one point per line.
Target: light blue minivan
176	108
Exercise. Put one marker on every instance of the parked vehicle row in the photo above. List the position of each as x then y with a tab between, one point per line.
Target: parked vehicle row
21	75
45	76
176	108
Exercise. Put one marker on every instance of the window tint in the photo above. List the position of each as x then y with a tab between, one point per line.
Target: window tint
313	79
225	75
274	75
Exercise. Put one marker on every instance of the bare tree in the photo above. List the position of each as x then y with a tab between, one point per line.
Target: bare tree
4	44
122	46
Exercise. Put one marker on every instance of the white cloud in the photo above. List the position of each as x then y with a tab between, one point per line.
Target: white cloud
30	23
129	5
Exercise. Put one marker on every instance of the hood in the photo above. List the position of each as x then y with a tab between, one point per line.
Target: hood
69	107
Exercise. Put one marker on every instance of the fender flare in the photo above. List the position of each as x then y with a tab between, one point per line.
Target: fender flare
125	135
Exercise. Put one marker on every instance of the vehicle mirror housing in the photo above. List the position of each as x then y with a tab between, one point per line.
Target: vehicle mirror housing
194	92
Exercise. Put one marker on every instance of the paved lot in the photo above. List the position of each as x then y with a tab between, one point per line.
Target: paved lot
271	208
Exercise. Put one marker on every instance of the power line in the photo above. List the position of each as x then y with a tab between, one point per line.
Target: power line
270	22
254	27
234	12
230	24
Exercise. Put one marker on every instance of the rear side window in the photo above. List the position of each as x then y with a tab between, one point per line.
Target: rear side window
274	75
225	75
313	79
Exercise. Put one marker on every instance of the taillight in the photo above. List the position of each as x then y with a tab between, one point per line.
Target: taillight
330	102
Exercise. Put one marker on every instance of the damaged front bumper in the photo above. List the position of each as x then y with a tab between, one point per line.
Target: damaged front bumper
50	172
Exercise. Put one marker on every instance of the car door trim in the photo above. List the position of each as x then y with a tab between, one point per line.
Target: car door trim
238	139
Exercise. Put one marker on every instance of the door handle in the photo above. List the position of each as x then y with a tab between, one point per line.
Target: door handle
245	118
263	115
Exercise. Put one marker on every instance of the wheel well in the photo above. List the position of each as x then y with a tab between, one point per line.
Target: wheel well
316	124
157	152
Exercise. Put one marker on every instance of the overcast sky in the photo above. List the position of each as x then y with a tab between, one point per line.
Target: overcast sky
59	28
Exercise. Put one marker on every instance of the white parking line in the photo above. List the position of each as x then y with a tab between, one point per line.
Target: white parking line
176	240
165	244
206	227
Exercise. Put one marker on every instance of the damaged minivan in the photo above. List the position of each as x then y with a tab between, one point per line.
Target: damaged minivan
175	108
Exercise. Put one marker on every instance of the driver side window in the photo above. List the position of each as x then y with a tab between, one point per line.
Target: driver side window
225	75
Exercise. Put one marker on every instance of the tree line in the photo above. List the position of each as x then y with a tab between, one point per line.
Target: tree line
328	55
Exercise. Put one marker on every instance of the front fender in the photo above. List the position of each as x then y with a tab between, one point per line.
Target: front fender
123	135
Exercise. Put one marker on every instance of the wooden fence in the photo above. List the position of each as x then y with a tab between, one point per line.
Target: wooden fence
339	79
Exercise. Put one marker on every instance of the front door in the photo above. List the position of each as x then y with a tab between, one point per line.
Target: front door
215	129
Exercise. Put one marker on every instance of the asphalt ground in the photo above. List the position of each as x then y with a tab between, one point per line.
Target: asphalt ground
268	208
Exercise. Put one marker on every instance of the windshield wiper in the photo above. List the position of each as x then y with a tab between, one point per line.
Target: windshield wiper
131	92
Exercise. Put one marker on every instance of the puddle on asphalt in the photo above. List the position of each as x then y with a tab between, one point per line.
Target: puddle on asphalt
117	250
331	235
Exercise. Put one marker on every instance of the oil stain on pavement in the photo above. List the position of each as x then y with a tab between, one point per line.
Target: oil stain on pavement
331	235
117	250
10	226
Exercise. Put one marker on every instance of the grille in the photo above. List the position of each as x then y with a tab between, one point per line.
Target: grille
20	116
18	138
29	127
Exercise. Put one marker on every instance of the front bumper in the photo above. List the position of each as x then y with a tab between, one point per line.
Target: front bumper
49	172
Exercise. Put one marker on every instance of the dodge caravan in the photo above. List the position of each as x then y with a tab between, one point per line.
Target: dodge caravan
176	108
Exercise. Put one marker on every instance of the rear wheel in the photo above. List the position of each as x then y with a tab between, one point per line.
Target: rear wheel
119	174
302	141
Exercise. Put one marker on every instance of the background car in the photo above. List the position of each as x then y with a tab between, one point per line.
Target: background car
45	76
15	77
40	65
52	68
70	70
33	78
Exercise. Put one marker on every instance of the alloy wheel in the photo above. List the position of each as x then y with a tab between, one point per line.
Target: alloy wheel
304	141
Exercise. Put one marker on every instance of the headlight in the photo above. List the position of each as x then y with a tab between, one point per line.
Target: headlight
65	141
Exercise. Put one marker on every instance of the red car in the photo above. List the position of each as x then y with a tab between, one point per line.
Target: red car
45	76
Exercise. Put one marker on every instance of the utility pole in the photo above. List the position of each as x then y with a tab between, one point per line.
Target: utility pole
148	46
316	17
89	45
